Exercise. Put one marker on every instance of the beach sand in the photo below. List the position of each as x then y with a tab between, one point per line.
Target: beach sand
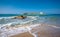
42	30
25	34
45	30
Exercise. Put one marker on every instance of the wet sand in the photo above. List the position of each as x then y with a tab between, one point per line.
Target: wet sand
42	30
26	34
46	31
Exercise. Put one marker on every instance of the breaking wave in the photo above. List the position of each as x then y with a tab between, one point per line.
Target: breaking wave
33	20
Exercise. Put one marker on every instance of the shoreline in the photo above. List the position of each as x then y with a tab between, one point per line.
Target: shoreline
36	30
18	30
25	34
29	28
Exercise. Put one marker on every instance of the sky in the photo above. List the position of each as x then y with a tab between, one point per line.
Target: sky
23	6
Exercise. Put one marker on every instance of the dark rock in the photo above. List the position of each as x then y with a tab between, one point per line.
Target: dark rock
20	17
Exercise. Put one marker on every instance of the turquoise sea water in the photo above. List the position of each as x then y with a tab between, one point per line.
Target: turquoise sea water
52	19
50	24
8	15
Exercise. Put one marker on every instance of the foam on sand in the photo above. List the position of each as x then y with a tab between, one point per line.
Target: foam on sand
18	30
32	29
53	26
6	32
23	29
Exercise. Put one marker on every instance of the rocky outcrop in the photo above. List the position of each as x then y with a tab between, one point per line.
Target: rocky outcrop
19	17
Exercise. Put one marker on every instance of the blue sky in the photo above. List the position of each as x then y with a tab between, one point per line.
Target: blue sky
22	6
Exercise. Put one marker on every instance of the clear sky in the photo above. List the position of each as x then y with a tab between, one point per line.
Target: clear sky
22	6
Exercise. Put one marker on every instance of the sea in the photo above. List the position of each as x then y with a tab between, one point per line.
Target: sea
52	20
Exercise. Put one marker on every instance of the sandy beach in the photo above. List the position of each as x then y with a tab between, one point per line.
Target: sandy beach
45	30
41	31
37	30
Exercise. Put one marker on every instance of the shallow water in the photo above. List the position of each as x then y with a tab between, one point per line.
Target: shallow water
52	29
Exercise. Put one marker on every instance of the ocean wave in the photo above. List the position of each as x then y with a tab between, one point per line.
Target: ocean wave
8	21
7	17
19	30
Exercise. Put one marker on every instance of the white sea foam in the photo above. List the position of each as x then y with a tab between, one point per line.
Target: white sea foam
21	30
21	21
30	28
13	32
54	26
17	30
7	17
